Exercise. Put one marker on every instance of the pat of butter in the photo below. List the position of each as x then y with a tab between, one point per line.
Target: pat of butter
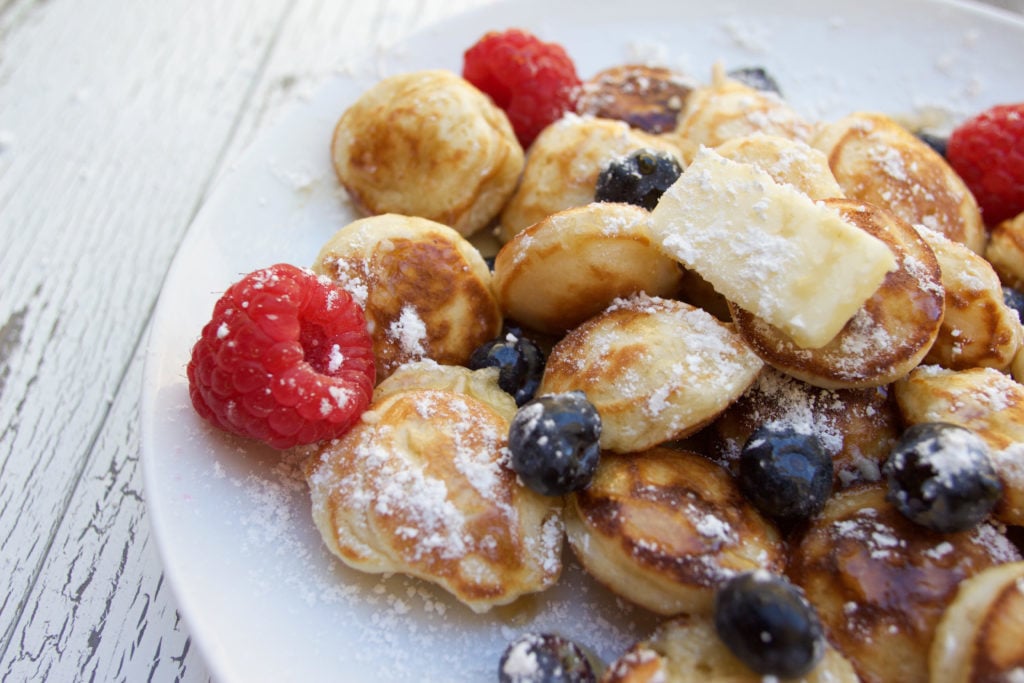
769	248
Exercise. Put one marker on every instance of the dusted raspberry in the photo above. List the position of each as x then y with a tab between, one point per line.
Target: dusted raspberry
533	81
285	359
988	153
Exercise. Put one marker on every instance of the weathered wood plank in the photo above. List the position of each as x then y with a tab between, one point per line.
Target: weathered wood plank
99	609
113	117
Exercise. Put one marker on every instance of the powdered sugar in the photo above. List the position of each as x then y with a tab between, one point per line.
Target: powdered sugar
521	662
1015	675
349	281
877	537
951	453
778	399
712	527
410	332
439	525
1009	462
335	359
995	543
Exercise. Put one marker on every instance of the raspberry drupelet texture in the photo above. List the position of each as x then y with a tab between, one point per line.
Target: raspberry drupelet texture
285	359
987	151
534	82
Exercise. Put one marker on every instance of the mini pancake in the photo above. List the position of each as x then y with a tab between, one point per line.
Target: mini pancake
664	528
687	649
981	399
787	161
481	384
419	487
881	583
646	97
887	337
978	328
564	162
877	160
655	369
727	108
425	290
1005	251
428	144
856	427
573	264
981	635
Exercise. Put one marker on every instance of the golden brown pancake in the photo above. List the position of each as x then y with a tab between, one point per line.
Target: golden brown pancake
419	487
856	427
425	290
655	369
877	160
646	97
727	108
1005	251
981	635
687	649
428	144
564	163
481	384
664	528
984	400
978	328
891	332
573	264
786	161
881	583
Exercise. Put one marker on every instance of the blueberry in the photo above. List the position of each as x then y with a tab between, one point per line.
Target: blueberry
553	441
1014	298
785	473
936	142
756	77
639	178
941	476
544	658
768	624
520	364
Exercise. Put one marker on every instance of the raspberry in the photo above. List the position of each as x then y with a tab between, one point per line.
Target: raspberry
987	151
533	81
285	359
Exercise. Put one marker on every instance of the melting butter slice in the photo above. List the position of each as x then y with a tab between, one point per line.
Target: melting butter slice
769	248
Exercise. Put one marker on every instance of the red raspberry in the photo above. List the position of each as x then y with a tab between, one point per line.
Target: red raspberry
533	81
285	359
988	153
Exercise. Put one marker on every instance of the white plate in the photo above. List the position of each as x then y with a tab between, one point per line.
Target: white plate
261	597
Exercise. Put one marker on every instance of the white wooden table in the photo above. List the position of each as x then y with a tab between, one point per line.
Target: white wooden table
115	119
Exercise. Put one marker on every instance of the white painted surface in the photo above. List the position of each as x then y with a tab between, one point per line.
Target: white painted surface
115	118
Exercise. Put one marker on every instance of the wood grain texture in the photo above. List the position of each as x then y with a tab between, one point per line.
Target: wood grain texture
117	129
100	609
114	116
